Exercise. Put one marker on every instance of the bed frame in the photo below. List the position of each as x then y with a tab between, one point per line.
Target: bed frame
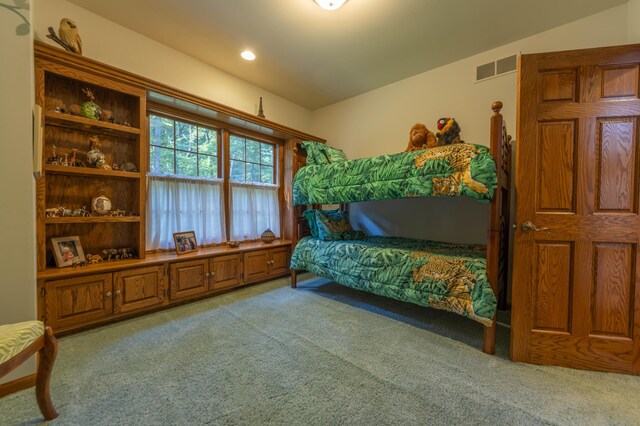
498	229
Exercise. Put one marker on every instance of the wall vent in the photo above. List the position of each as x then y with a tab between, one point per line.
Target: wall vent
496	68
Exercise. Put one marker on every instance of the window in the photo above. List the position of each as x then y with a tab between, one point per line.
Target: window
184	189
187	189
182	149
251	161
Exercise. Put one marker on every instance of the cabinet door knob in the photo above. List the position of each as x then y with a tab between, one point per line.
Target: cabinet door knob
117	292
108	294
207	274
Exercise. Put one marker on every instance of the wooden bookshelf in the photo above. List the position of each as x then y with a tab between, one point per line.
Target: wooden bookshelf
92	219
55	118
90	172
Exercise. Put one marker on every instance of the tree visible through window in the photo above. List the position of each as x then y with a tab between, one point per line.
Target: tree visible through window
182	149
251	161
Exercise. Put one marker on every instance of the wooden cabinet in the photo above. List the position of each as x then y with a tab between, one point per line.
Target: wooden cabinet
137	289
76	301
263	264
226	272
190	278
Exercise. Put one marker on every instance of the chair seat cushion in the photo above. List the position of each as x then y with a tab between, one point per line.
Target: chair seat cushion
14	338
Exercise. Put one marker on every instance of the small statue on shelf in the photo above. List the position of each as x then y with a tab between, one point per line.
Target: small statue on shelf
90	109
128	167
94	258
81	212
110	254
95	157
118	213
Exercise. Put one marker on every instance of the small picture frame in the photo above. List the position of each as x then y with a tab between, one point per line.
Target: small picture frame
185	242
67	251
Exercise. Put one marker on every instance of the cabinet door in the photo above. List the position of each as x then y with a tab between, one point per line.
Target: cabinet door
78	301
256	267
225	272
279	261
138	288
189	278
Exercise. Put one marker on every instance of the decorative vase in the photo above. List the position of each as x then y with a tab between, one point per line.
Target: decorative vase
90	109
268	236
95	157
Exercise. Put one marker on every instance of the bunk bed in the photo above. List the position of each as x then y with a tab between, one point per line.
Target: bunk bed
465	279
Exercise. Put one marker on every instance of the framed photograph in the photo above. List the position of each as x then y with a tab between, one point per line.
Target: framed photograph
185	242
67	251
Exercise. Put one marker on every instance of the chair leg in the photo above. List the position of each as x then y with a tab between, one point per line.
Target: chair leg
45	365
294	278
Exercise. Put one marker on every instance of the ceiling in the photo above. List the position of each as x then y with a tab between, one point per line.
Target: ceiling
315	58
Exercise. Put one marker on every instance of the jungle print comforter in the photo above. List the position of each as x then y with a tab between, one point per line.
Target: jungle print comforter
445	171
445	276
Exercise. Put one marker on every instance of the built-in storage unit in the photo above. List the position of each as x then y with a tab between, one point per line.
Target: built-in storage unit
77	297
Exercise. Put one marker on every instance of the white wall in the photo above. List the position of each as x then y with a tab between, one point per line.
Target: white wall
633	21
378	122
17	253
108	42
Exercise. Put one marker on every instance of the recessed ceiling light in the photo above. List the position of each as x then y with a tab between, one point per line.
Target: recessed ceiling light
330	4
248	55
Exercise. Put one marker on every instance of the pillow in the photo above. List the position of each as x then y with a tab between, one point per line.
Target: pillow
334	155
315	153
334	225
319	153
310	215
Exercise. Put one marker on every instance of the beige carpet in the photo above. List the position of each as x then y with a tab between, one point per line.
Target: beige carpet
323	355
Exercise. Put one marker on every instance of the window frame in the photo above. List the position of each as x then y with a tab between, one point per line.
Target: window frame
191	122
275	164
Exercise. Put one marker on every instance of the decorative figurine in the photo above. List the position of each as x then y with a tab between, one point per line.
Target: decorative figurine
233	243
69	38
90	109
95	157
260	111
100	203
118	213
75	110
128	167
94	258
81	212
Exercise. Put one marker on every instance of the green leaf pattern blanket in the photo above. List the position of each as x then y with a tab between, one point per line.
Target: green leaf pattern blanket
445	276
444	171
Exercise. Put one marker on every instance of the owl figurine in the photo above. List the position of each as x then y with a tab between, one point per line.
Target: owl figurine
68	33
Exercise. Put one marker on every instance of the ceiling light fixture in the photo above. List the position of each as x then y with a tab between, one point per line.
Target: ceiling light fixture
248	55
330	4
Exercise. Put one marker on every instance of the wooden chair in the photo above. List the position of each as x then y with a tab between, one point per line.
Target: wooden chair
18	342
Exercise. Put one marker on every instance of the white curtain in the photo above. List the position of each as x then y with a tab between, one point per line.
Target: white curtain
254	208
179	204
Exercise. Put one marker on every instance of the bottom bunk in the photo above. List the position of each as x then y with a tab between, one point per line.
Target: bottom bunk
451	277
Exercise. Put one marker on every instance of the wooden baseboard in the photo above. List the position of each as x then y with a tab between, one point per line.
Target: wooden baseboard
17	385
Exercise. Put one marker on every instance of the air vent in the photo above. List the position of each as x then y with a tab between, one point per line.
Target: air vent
506	64
486	71
496	68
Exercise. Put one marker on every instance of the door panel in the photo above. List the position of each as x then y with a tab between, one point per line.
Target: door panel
575	299
138	289
279	262
256	266
226	271
616	184
78	301
189	278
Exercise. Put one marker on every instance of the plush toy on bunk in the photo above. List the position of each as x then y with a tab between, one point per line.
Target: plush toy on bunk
421	138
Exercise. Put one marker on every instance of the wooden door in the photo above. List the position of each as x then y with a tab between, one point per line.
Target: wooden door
73	302
256	267
279	261
189	278
576	302
226	271
138	289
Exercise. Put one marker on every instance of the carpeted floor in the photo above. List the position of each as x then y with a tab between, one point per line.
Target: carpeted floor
322	354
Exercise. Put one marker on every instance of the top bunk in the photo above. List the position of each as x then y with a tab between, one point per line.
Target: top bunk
459	169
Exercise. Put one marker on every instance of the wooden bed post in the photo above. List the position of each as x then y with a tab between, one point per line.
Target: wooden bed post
498	229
